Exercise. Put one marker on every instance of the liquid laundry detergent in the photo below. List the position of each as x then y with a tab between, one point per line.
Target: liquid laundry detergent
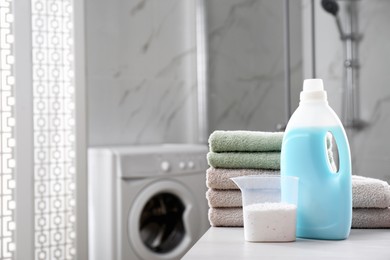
324	209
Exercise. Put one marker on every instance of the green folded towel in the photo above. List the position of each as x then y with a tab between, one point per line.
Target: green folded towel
245	141
263	160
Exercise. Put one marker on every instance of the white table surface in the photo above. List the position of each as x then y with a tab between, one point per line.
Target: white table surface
228	243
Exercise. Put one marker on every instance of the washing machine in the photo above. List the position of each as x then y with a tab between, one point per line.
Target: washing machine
146	202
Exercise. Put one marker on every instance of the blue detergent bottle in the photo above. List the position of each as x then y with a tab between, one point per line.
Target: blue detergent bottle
324	208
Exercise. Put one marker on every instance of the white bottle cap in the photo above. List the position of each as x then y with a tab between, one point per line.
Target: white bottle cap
313	89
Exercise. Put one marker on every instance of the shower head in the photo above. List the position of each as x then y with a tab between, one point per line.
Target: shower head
331	6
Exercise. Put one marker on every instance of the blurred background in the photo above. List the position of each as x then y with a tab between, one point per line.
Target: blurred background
143	69
126	78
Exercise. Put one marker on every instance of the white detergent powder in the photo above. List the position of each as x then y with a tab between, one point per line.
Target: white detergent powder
270	222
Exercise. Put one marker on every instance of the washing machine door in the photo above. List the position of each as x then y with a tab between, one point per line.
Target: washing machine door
163	221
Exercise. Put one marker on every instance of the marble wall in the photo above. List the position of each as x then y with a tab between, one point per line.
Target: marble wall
141	71
246	62
370	147
141	58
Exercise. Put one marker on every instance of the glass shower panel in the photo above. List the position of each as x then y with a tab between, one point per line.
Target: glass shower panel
246	57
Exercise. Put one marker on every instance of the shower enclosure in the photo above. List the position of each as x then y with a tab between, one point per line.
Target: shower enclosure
351	54
348	29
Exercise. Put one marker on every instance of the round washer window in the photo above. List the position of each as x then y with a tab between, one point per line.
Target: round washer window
163	221
161	224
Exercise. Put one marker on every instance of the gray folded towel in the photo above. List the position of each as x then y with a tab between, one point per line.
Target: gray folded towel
371	218
370	193
255	160
366	192
232	198
361	218
245	141
223	198
226	217
219	178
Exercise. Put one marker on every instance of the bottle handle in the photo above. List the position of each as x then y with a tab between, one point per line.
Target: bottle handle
343	151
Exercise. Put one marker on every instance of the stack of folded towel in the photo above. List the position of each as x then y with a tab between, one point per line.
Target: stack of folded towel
239	153
232	154
371	203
